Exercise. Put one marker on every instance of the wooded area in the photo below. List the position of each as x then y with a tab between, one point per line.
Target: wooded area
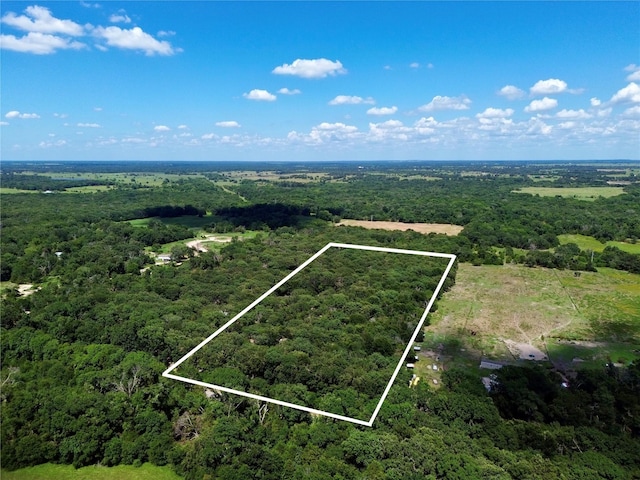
83	352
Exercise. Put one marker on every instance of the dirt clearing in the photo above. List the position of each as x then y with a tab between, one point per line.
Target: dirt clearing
445	228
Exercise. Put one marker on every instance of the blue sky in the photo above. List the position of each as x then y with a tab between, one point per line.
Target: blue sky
162	80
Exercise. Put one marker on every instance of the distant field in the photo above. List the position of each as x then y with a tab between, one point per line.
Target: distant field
579	193
88	189
446	228
490	304
50	471
589	243
9	191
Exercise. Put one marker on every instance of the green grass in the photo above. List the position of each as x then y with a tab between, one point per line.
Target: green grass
589	243
49	471
528	305
578	193
88	189
10	191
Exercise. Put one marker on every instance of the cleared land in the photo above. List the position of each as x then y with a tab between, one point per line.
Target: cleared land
49	471
589	243
579	193
496	311
445	228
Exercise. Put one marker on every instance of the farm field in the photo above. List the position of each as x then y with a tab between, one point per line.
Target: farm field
493	310
49	471
578	193
589	243
447	229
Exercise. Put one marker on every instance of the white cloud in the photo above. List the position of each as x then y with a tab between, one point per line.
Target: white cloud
90	5
134	39
495	113
414	65
630	93
632	111
39	19
429	65
209	136
166	33
634	76
511	92
4	124
351	100
595	102
318	68
547	87
382	110
260	95
387	67
182	127
228	124
120	17
446	103
577	114
88	125
60	115
161	128
541	105
286	91
17	114
38	43
336	127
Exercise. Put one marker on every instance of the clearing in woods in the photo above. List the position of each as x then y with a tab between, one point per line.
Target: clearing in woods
502	312
445	228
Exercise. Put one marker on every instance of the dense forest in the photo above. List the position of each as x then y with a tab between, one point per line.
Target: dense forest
82	353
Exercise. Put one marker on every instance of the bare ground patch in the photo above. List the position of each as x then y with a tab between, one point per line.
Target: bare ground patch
444	228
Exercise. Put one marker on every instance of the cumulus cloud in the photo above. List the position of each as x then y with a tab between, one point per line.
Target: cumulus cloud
382	110
541	105
4	124
414	65
134	39
495	113
17	114
259	95
161	128
228	124
166	33
511	92
634	76
632	111
120	17
577	114
286	91
351	100
209	136
548	87
630	93
317	68
88	125
39	19
446	103
595	102
182	127
38	43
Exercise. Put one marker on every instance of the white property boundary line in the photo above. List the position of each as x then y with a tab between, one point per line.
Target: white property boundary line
167	373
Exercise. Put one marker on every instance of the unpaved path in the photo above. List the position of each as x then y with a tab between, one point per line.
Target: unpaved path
199	244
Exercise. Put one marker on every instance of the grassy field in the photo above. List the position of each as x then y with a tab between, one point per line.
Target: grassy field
589	243
545	308
10	191
50	471
579	193
445	228
88	189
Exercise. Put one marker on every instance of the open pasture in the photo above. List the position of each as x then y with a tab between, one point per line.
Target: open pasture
445	228
49	471
585	242
492	306
578	193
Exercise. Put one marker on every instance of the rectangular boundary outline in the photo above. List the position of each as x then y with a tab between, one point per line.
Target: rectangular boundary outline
167	373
